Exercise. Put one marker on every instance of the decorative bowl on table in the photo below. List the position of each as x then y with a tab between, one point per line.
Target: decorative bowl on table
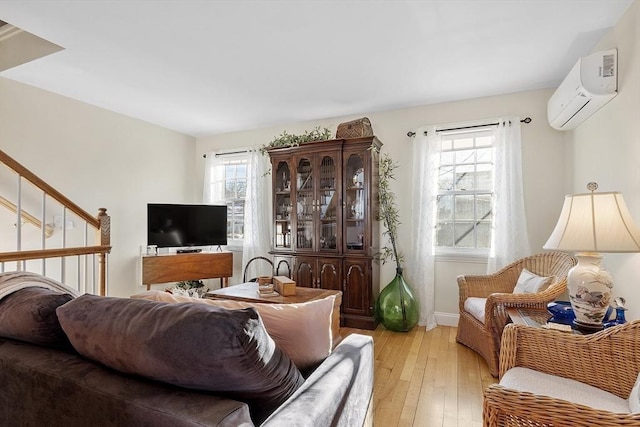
561	312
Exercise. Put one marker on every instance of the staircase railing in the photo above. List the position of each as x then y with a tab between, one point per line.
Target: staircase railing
48	229
101	223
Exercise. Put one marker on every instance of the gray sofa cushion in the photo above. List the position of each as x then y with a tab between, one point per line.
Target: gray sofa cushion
190	345
29	314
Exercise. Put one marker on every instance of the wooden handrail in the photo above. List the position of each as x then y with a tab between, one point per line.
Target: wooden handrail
53	253
48	230
49	190
102	223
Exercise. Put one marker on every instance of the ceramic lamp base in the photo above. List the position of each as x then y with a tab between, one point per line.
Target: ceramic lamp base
589	288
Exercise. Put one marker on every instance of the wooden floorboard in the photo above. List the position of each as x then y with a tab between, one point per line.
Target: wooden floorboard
426	379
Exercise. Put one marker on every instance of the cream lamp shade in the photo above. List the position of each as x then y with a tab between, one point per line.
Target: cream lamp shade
591	223
595	222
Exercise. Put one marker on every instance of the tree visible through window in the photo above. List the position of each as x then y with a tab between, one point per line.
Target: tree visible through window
465	190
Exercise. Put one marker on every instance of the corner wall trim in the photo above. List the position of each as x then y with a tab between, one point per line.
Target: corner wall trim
447	319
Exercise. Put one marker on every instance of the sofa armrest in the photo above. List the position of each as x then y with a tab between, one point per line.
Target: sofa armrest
338	393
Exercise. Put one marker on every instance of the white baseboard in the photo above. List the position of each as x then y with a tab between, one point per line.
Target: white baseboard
447	319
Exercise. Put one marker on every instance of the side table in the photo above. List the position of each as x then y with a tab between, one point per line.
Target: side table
536	317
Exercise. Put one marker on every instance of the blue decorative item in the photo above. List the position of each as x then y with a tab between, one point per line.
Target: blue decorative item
620	309
561	312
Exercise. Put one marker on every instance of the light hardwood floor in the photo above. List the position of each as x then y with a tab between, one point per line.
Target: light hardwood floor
426	379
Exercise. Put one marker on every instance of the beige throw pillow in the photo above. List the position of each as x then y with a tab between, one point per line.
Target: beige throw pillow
529	283
302	331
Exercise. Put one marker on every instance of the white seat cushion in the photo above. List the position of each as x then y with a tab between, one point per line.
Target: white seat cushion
524	379
634	397
475	307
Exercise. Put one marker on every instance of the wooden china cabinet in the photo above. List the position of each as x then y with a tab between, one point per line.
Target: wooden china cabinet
325	197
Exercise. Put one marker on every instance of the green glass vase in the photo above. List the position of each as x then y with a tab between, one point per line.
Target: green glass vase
397	307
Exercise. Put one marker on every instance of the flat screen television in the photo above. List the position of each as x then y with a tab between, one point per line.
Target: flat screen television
179	225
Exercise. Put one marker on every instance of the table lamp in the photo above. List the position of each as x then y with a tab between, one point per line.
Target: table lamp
591	223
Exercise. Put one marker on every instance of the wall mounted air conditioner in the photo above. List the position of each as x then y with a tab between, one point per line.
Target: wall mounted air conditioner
590	84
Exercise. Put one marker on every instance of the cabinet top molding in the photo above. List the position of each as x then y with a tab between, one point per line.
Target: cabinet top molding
374	141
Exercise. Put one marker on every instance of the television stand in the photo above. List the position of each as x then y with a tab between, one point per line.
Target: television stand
188	251
167	268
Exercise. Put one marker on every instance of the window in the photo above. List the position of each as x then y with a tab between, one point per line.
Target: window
225	183
235	192
465	191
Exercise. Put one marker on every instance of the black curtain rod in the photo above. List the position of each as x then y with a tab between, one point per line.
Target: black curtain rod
412	134
230	152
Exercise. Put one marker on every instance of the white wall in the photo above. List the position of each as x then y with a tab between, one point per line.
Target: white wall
543	169
103	159
606	148
98	158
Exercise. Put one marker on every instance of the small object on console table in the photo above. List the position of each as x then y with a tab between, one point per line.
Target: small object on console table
266	290
284	286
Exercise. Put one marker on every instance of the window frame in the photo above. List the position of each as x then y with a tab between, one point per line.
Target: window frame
225	160
452	253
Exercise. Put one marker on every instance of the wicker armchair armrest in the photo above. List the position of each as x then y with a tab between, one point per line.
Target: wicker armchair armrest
519	300
498	302
481	286
574	356
484	285
532	299
503	406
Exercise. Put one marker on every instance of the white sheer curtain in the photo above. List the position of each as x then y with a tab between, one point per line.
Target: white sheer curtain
509	240
420	267
257	205
213	188
257	211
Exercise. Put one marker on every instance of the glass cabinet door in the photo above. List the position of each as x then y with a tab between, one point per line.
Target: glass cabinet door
328	205
304	204
283	206
355	203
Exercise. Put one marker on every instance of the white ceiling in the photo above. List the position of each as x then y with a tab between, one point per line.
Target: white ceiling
208	67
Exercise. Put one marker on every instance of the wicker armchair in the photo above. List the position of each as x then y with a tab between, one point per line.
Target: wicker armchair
497	288
568	356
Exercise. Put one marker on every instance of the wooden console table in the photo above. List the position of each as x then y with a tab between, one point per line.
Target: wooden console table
191	266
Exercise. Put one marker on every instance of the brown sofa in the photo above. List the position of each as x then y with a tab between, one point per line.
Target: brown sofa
47	387
84	381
